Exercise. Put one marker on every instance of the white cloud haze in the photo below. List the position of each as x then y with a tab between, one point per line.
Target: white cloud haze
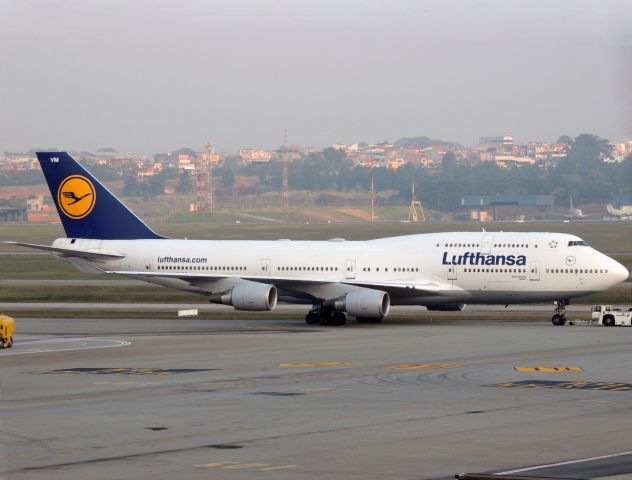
155	75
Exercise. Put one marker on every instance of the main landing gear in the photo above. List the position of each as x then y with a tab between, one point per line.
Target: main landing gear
320	315
325	316
559	318
369	319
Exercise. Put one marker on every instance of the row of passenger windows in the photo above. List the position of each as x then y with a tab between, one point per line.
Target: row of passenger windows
576	270
468	245
496	245
377	269
512	245
394	269
307	269
497	270
206	268
523	270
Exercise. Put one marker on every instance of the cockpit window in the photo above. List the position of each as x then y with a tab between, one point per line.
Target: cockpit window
577	243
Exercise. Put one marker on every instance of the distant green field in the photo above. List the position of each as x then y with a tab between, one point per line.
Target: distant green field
118	294
41	266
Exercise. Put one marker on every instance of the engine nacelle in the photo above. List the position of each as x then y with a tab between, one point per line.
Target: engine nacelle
365	303
254	297
448	307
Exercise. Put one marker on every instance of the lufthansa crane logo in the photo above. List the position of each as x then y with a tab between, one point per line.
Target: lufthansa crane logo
76	196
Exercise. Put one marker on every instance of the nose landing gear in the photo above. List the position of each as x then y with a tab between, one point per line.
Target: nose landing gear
559	318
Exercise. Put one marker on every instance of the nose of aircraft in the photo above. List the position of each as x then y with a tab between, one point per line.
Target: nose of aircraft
619	272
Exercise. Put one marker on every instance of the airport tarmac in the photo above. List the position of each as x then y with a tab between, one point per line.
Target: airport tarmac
276	399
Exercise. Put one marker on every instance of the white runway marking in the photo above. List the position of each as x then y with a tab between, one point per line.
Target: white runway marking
560	464
61	345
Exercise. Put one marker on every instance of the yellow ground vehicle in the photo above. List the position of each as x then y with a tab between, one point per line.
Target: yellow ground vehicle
7	330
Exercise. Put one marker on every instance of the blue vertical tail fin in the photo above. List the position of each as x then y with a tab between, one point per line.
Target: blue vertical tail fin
87	209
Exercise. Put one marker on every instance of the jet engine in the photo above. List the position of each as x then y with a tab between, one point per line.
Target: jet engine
448	307
365	303
251	297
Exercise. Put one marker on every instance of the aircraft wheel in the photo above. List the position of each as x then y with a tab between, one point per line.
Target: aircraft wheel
10	342
558	320
338	319
608	321
325	317
311	318
369	319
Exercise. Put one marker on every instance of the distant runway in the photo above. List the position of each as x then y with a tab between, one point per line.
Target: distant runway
275	399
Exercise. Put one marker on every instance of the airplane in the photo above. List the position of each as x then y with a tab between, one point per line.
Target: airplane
576	213
441	271
624	212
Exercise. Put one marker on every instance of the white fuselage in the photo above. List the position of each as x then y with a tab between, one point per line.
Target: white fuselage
463	267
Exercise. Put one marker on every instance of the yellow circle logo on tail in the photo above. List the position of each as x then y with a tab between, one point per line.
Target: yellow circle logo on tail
76	196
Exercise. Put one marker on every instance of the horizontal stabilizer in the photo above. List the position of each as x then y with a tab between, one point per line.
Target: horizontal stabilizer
68	252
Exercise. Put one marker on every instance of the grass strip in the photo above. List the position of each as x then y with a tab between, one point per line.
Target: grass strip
156	294
106	294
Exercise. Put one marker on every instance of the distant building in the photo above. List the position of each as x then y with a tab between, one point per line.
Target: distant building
38	211
17	163
396	163
512	161
622	200
166	159
185	162
148	170
508	207
214	158
255	156
12	214
505	140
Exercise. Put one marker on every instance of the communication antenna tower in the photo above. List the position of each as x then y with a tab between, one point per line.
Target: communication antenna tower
284	158
204	181
414	204
372	199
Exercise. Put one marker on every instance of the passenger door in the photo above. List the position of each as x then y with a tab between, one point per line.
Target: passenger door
486	243
534	271
265	267
350	268
452	272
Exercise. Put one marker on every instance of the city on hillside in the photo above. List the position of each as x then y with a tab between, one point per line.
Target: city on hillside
411	179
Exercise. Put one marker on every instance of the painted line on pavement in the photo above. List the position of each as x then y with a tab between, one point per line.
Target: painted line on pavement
422	366
82	344
548	369
317	364
561	464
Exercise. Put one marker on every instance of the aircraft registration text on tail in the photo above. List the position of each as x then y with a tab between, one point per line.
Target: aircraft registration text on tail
441	271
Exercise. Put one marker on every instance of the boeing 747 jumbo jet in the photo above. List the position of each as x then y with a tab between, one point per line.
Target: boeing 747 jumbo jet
441	271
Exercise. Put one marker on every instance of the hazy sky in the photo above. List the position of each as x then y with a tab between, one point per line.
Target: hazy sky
155	75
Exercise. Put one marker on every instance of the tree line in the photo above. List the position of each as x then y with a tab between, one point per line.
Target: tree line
583	174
